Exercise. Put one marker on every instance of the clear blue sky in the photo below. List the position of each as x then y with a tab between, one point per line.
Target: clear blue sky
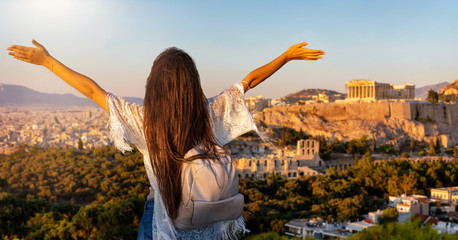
115	42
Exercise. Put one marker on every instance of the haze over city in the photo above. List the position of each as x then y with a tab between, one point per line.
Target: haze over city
116	42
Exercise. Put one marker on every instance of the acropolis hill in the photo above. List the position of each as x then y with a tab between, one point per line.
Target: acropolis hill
392	121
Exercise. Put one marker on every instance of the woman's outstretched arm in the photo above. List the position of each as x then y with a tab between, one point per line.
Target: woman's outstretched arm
295	52
40	56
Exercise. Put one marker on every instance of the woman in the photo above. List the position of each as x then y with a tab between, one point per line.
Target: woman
176	128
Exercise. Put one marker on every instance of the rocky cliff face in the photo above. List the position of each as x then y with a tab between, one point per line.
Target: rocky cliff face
389	123
451	88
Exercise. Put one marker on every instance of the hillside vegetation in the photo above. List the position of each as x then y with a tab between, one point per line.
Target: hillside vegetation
99	193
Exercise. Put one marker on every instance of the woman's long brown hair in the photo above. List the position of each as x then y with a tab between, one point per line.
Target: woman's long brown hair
176	119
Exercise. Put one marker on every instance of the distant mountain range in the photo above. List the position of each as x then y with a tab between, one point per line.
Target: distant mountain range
20	95
422	92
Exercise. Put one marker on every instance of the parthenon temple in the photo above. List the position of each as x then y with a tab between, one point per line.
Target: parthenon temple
366	89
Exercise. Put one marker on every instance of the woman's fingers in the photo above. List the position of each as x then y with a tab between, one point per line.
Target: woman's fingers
18	55
309	55
299	52
37	44
19	49
26	54
22	58
302	44
315	53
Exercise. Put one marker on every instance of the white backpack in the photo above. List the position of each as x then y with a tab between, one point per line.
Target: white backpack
210	192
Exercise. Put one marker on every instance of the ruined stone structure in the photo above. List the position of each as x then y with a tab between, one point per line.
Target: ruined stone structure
305	162
321	98
307	148
366	89
248	147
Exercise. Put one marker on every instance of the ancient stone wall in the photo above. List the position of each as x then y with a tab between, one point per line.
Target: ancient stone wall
401	110
438	113
423	111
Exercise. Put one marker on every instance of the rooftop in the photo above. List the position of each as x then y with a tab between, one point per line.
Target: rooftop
359	226
448	189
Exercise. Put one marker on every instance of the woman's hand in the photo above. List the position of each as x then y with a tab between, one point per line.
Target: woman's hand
298	52
295	52
38	55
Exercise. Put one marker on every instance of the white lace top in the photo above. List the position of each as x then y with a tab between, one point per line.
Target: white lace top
230	119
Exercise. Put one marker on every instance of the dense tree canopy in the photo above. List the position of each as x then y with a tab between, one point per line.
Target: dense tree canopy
71	194
99	193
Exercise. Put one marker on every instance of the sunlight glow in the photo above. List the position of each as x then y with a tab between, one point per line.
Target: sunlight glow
51	8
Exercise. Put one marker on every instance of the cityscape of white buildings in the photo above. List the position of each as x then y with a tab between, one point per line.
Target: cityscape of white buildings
48	126
419	207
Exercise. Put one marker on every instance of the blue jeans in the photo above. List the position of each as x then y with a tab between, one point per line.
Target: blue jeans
146	225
